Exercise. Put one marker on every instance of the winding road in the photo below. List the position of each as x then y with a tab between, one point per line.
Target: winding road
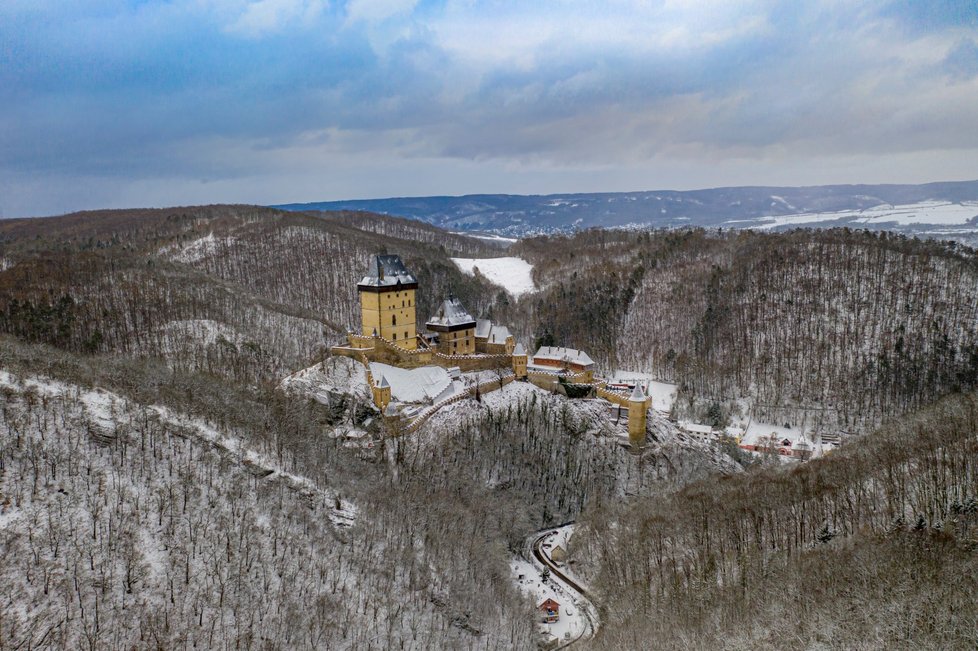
584	603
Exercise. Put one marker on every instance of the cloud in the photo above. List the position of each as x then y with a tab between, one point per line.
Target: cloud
961	62
262	17
138	95
377	10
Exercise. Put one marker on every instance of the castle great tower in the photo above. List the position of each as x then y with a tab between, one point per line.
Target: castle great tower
387	301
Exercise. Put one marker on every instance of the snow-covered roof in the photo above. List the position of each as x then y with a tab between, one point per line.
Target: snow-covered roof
413	385
519	350
387	271
482	328
383	382
637	394
569	355
499	334
451	313
492	333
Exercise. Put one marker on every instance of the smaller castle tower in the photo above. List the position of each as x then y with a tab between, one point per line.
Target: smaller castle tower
638	407
520	360
381	393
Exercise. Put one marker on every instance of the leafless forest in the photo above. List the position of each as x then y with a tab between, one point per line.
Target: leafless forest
158	490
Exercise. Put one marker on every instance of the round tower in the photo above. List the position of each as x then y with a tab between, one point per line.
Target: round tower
638	407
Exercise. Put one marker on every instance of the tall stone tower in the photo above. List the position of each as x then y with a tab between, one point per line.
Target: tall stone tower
387	301
638	407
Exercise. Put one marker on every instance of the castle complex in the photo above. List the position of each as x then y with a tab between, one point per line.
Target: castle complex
454	343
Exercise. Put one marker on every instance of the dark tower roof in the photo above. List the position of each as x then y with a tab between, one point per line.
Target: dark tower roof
451	316
387	272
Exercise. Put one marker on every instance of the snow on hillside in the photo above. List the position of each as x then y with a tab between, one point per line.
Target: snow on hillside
512	274
944	213
198	249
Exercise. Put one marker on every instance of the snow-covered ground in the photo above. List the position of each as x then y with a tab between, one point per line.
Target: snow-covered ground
512	274
198	249
573	616
103	409
340	374
925	212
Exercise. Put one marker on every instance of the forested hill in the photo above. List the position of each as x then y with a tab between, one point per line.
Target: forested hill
169	480
241	291
839	327
947	209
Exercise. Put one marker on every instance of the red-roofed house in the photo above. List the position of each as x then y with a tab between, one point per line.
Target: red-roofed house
550	610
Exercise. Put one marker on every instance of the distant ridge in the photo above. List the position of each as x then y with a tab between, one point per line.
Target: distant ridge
942	208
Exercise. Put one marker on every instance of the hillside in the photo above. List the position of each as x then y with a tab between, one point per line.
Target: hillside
182	462
244	292
839	328
141	507
874	547
942	210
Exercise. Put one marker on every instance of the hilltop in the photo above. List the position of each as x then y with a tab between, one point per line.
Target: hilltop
942	210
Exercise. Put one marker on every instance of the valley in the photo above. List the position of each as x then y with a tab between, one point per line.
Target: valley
198	417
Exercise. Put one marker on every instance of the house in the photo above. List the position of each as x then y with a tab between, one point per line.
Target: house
454	328
553	359
493	339
387	301
550	610
558	555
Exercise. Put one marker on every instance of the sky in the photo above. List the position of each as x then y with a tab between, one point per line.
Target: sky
132	103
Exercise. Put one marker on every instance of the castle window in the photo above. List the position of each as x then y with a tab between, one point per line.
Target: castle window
395	336
393	319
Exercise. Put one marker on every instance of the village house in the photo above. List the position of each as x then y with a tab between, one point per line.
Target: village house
553	359
550	610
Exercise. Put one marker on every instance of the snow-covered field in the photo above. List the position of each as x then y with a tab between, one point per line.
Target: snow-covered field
512	274
926	212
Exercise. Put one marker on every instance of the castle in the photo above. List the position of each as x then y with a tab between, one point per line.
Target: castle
459	343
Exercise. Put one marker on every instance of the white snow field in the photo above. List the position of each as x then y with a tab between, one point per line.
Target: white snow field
512	274
944	213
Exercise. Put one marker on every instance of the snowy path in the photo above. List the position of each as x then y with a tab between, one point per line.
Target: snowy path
578	616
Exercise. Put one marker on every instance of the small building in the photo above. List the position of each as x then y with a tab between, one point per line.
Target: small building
558	555
802	449
550	610
493	339
454	327
554	359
